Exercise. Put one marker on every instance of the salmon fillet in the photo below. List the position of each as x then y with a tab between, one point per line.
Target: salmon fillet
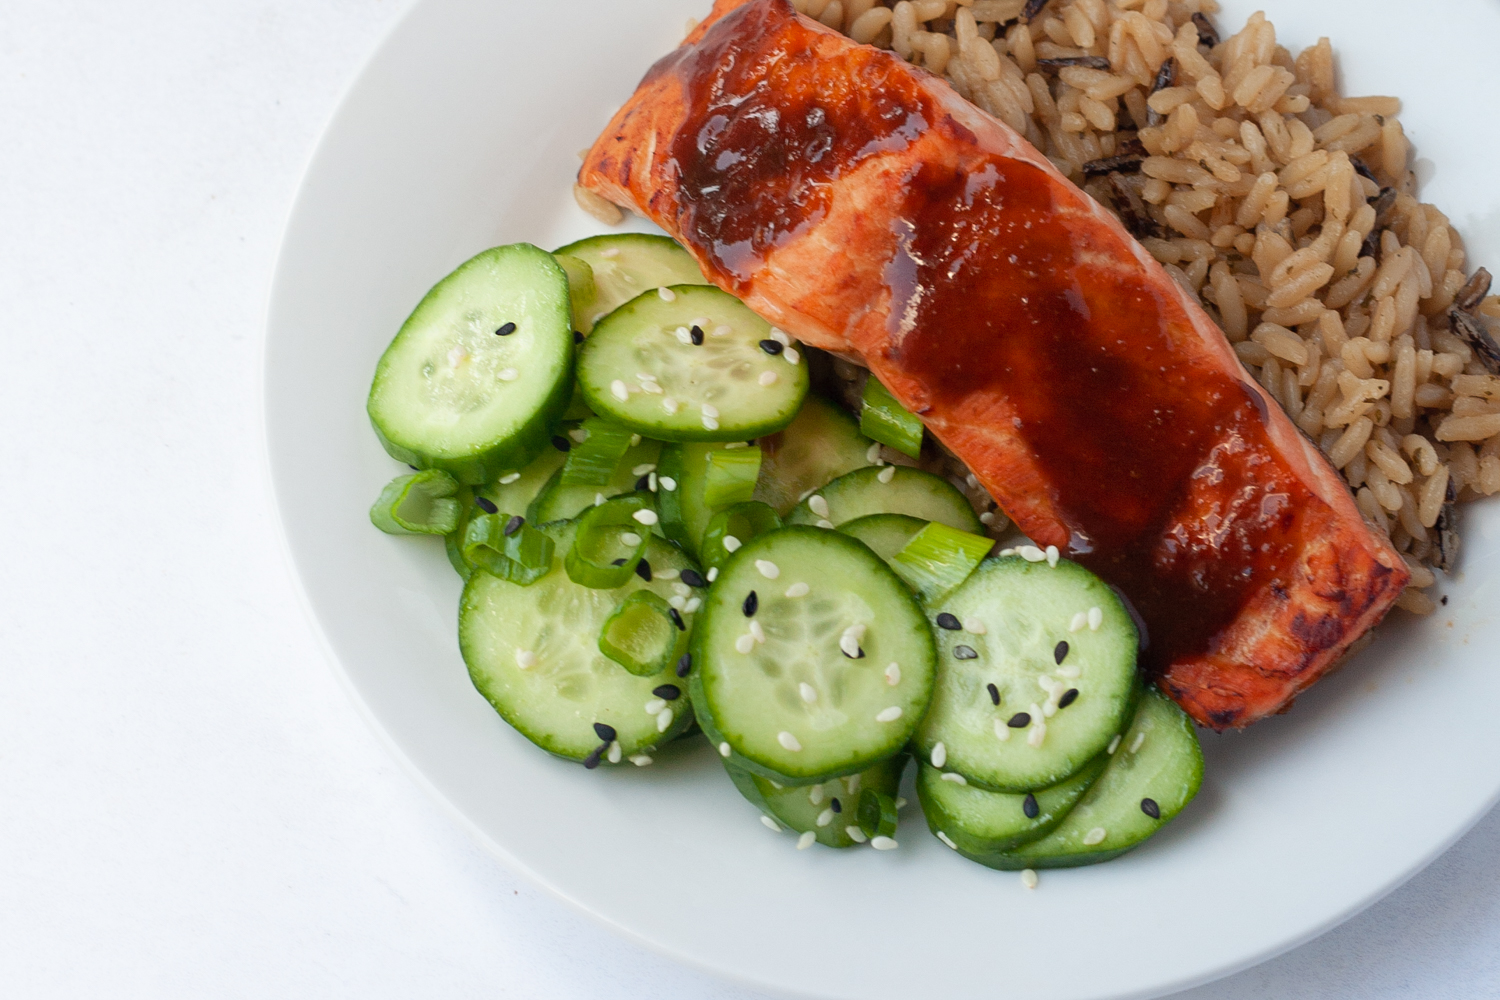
860	204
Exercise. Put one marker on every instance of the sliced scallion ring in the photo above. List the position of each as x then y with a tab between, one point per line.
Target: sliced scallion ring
610	542
592	462
939	558
877	814
423	503
513	551
733	527
732	473
642	636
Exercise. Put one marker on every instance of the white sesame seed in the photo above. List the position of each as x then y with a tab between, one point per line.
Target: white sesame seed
692	605
955	777
872	453
509	374
770	823
579	435
1052	555
791	355
768	569
1114	744
900	802
886	474
815	795
788	741
641	470
825	523
777	785
946	839
808	692
798	590
640	760
1096	619
939	755
1007	552
731	543
855	834
744	643
700	322
668	483
849	641
1046	683
893	674
678	601
723	749
525	659
721	331
667	295
615	752
1031	553
1094	836
1029	879
884	844
598	499
670	405
987	518
1135	744
735	445
610	252
645	377
1002	731
684	336
1038	731
972	481
655	705
617	387
664	720
806	840
818	505
780	337
825	817
678	587
756	632
630	538
667	574
889	714
709	410
651	482
1049	709
635	440
713	574
509	478
767	378
974	626
852	783
1080	622
1070	671
646	516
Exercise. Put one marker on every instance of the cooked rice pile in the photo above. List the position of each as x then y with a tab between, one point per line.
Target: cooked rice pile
1287	210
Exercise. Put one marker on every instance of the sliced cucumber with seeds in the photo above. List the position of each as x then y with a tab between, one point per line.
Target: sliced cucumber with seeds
533	652
1036	672
481	370
623	265
885	534
829	809
686	364
894	489
813	660
819	445
558	502
975	821
732	527
682	478
1153	774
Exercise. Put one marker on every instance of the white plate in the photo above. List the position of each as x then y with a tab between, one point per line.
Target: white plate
462	133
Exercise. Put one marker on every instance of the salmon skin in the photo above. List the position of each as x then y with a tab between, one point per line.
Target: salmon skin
860	204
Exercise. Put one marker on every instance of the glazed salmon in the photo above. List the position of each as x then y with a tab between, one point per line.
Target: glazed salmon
860	204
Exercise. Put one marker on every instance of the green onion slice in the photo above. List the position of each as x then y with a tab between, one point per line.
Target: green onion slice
939	558
732	473
593	462
888	422
524	556
422	503
609	543
641	635
734	526
876	814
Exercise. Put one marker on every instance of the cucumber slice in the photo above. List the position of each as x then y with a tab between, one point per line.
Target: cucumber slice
622	266
975	821
683	479
450	394
557	502
885	534
1154	773
569	685
732	527
512	493
829	810
819	445
581	288
903	491
684	364
779	684
1036	630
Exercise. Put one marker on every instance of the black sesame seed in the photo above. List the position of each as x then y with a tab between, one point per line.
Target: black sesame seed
643	483
751	605
1444	601
1029	806
677	620
513	525
412	467
618	562
486	504
949	622
860	656
668	692
685	665
964	653
506	330
1060	653
1020	720
697	335
1069	696
836	806
772	347
561	443
577	336
1150	808
692	578
605	732
994	693
643	570
592	760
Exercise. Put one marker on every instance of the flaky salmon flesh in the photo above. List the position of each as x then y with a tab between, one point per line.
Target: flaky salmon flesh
860	204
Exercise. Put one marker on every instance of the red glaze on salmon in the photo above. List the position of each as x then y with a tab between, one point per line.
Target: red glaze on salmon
860	204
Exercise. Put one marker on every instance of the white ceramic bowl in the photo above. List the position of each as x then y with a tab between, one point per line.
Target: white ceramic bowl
462	133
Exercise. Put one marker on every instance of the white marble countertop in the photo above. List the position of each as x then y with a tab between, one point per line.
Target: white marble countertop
189	804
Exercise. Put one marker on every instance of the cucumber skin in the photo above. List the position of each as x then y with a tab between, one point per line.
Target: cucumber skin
884	776
515	453
956	511
1043	825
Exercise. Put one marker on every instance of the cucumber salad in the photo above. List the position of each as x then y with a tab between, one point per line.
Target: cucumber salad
676	522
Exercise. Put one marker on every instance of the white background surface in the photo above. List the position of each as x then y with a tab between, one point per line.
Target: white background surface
189	805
